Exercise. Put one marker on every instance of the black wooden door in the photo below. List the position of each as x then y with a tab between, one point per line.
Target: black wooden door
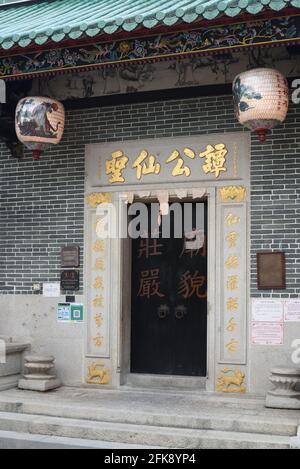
169	304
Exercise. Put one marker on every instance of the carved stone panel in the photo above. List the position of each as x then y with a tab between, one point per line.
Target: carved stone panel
98	285
232	279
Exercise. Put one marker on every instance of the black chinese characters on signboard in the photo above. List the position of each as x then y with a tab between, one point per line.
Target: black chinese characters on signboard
70	280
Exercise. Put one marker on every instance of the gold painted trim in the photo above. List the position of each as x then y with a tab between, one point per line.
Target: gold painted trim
236	194
98	198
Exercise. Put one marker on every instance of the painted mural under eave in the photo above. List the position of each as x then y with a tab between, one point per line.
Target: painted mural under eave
197	71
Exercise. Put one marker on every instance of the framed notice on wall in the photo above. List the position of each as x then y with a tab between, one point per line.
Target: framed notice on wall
292	311
267	333
271	271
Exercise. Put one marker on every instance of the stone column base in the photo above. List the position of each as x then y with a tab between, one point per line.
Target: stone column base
37	377
284	395
39	385
275	401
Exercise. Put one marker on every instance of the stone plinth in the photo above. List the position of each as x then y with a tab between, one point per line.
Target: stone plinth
11	371
285	394
295	443
37	376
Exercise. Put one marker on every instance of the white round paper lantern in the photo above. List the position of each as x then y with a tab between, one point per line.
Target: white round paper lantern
39	123
261	99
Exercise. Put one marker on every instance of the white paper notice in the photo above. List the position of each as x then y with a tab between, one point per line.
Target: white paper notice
51	290
267	333
267	310
292	311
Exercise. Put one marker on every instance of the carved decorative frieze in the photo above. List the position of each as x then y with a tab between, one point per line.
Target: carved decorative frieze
98	198
237	36
236	194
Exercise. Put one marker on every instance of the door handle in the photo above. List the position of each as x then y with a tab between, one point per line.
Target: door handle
180	312
163	311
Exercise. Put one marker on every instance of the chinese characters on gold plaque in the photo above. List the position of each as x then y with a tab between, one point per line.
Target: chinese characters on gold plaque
203	158
234	283
212	160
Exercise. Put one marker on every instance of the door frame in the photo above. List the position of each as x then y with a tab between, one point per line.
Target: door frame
145	380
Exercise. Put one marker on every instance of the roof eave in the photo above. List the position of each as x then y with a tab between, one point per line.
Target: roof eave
146	32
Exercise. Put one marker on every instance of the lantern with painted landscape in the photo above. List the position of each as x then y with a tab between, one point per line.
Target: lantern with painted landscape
261	100
39	123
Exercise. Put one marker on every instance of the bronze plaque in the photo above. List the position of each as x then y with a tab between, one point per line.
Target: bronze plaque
70	256
271	271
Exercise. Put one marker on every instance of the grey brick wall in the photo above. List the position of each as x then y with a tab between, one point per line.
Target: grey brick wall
275	200
42	203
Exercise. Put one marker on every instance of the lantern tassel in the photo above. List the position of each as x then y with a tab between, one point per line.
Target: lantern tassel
37	155
262	135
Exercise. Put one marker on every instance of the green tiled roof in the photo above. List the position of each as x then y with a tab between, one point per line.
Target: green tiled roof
38	22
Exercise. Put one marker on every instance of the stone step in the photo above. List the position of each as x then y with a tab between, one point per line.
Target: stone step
202	419
164	437
213	400
14	440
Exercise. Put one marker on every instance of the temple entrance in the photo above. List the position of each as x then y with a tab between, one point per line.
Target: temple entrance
169	298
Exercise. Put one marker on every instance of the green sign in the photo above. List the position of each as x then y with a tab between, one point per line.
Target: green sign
70	312
77	312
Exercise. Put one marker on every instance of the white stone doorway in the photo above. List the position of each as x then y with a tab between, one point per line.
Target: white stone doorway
108	262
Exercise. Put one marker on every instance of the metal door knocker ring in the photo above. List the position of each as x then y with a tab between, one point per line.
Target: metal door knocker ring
163	311
180	312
